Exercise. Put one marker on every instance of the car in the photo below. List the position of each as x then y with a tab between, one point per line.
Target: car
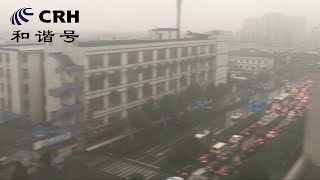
259	142
291	114
271	134
175	178
213	166
224	170
235	139
246	132
203	134
236	161
236	116
186	171
218	147
224	155
206	158
277	128
252	126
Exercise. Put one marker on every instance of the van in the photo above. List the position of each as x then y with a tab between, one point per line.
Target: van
218	147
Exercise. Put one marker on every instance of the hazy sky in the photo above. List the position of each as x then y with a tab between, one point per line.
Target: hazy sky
141	15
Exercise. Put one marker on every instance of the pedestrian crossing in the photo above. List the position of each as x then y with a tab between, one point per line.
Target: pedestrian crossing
120	168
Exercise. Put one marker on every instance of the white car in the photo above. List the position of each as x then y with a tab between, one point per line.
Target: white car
175	178
202	134
236	116
235	139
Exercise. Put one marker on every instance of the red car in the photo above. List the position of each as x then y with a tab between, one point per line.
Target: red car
224	171
260	142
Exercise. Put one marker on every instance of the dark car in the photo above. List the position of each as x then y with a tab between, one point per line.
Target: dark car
247	132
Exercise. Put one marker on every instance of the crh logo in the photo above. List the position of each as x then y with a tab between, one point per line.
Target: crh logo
46	16
20	15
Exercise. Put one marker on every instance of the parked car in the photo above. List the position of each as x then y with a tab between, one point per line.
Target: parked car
236	116
203	134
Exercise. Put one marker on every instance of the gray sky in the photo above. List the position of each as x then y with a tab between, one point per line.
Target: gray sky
141	15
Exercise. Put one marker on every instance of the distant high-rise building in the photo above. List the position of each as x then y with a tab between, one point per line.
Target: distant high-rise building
274	29
314	38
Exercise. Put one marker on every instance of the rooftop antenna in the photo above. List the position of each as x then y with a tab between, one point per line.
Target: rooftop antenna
178	17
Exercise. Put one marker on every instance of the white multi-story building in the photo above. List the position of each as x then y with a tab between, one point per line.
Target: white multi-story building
22	82
250	61
96	81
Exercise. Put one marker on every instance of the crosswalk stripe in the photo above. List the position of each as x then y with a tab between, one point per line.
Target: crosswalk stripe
118	165
123	168
128	171
150	175
140	171
96	159
93	163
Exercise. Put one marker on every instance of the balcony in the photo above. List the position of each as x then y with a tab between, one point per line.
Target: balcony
65	110
58	92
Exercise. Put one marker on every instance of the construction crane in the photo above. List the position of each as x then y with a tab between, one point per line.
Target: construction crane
178	17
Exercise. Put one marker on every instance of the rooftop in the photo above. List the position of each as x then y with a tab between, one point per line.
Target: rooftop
128	42
22	47
251	53
165	29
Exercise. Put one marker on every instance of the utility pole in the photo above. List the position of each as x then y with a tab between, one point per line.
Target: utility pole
178	17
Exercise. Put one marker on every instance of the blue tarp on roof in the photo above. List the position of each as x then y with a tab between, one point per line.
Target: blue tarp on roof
66	109
42	130
9	116
65	87
65	62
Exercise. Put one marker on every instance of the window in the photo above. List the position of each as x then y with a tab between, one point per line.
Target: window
96	82
184	51
95	61
173	53
26	106
25	73
161	54
1	87
7	58
26	89
24	58
203	49
114	59
96	104
2	102
133	57
212	48
147	55
1	73
194	50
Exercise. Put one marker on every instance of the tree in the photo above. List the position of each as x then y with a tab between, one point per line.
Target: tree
194	91
138	119
136	176
168	106
263	76
20	172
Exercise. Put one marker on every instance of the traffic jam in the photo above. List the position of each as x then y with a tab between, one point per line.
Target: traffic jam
224	158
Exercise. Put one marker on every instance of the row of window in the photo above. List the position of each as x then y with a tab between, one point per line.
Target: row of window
251	61
98	81
114	99
114	59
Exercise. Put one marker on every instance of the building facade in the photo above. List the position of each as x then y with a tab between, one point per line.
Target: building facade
22	82
250	61
98	82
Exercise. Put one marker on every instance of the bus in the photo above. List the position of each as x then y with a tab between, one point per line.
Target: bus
279	102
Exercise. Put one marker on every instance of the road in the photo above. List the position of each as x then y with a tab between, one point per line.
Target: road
147	160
